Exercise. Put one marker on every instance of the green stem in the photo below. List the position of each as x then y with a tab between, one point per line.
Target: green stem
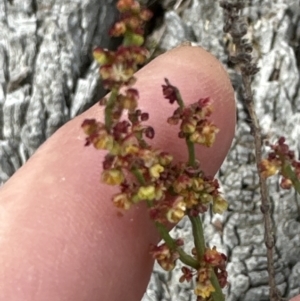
138	175
109	108
183	256
179	98
196	222
200	250
191	151
217	294
164	233
198	236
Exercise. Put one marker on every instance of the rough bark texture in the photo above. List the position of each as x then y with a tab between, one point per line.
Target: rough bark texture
47	77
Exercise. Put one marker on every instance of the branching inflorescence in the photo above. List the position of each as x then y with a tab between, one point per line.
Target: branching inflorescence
146	174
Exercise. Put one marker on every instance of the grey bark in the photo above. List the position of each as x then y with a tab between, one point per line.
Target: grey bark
47	77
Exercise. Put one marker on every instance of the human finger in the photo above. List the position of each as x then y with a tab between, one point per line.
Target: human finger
61	237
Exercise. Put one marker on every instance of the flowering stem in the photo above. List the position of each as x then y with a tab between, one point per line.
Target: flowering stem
109	107
200	250
197	228
248	69
164	233
195	220
183	256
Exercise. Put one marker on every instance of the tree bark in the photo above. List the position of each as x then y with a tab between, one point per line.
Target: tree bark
47	74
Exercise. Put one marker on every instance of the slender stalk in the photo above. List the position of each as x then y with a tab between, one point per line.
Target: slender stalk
237	27
179	98
200	250
191	151
197	227
265	201
198	236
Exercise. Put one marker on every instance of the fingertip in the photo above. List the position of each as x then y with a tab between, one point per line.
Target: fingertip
70	210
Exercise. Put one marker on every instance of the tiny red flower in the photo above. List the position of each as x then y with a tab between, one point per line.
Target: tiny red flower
118	29
214	258
187	275
128	5
164	256
169	92
222	277
146	14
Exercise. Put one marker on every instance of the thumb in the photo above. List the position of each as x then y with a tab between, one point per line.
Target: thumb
61	238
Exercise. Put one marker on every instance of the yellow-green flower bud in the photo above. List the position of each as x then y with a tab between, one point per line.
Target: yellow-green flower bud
112	177
146	193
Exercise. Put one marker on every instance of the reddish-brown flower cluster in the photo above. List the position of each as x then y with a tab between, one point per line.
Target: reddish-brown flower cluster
212	261
199	192
131	23
97	134
165	257
193	119
194	194
279	160
129	152
117	68
147	165
204	287
170	92
218	262
187	274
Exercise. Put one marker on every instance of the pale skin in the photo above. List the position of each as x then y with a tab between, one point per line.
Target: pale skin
61	237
